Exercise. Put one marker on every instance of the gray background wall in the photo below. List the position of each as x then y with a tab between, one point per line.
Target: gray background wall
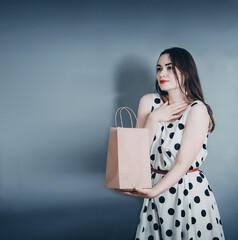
65	67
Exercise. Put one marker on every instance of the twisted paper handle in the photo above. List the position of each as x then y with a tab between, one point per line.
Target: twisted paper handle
126	108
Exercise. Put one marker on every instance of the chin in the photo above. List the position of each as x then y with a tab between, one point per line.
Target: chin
164	89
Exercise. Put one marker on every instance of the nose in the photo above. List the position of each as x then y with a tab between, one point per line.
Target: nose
162	73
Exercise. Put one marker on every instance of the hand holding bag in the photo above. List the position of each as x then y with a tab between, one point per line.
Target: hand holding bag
128	161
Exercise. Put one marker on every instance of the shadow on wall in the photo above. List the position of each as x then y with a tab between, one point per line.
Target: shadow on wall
133	79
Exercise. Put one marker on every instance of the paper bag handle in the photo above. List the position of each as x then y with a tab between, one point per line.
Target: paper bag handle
126	108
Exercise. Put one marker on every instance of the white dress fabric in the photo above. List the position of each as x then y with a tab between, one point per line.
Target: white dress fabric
187	210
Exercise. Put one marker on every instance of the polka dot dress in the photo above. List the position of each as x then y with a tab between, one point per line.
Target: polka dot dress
187	210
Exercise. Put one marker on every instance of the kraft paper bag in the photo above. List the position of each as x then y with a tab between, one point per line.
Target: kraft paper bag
128	161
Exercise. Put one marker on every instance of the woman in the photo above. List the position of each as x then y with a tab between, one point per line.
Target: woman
181	204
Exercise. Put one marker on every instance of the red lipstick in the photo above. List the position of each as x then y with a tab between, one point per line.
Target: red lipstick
163	81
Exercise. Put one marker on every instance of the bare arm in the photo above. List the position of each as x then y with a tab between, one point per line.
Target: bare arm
191	143
144	116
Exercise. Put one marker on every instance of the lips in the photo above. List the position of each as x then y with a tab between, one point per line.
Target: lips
162	81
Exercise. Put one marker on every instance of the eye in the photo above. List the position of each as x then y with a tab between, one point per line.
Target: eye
170	67
158	69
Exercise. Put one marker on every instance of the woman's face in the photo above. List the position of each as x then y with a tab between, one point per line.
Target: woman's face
165	76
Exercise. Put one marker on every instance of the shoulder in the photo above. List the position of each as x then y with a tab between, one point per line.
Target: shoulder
146	101
146	97
198	107
150	98
198	113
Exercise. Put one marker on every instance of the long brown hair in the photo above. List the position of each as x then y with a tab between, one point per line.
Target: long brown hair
185	63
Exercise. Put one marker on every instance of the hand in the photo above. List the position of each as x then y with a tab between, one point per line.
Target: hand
139	192
168	112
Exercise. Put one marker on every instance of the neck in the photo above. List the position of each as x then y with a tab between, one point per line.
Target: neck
176	96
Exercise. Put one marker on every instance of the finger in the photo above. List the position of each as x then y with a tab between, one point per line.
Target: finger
125	193
178	109
164	104
134	194
141	190
175	117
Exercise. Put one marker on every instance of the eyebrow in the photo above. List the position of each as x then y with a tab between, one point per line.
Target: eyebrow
165	64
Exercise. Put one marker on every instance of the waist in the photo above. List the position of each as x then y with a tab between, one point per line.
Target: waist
165	171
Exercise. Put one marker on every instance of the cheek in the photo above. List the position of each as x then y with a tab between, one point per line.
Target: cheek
173	80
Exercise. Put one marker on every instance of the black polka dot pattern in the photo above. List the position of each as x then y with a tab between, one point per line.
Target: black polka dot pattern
171	211
209	226
171	135
187	208
168	153
191	168
193	220
159	149
180	181
182	213
187	226
170	125
161	199
149	218
157	100
181	126
156	226
203	213
199	179
153	206
169	233
207	193
177	146
177	223
172	190
197	199
145	209
185	192
194	104
201	174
